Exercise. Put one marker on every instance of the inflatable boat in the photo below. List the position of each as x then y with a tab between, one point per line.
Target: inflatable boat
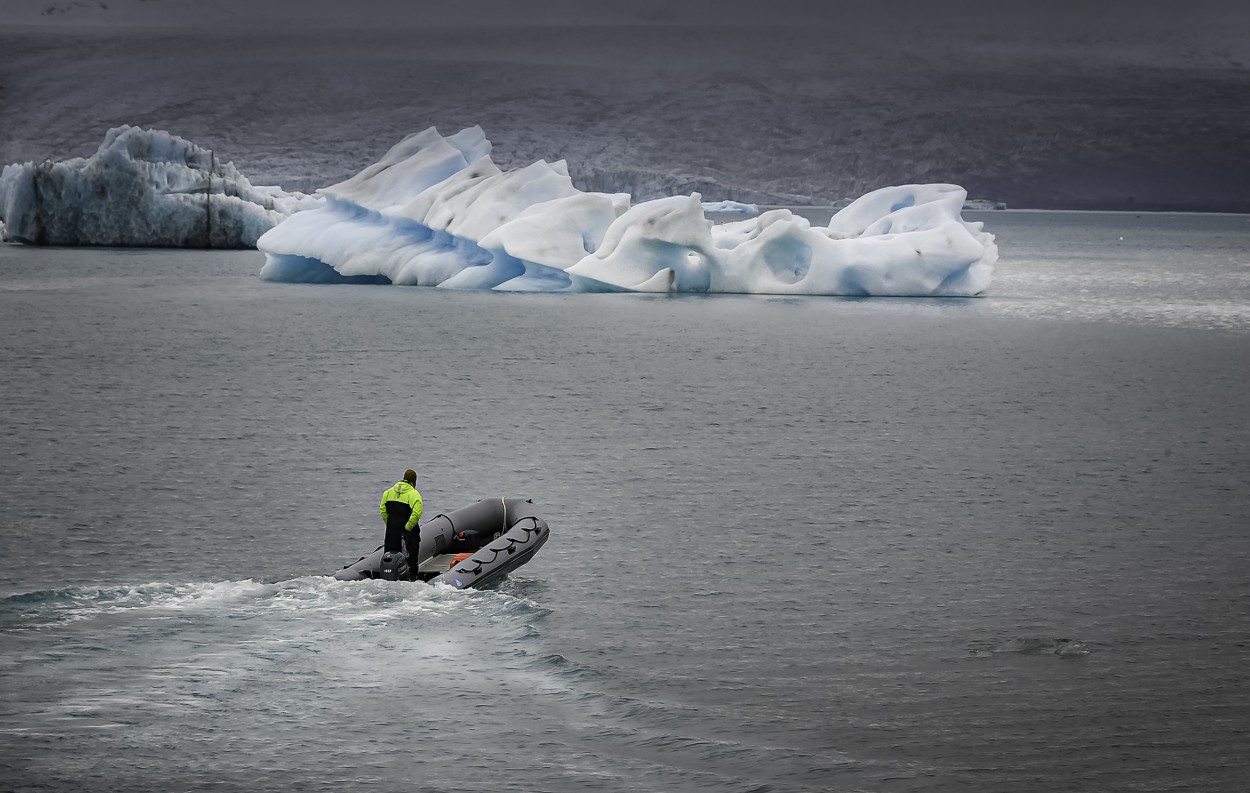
472	547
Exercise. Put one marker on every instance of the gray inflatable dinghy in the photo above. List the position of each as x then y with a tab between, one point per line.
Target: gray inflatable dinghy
472	547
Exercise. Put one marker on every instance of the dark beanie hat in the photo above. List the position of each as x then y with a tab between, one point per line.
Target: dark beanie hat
410	476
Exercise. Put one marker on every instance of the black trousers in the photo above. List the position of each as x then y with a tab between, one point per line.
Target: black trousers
397	514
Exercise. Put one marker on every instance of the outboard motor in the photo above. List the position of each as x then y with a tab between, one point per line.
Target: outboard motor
394	566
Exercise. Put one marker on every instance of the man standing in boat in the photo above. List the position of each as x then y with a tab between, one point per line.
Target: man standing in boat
401	509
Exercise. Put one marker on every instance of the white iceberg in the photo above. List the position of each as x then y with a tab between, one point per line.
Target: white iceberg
436	211
141	188
735	207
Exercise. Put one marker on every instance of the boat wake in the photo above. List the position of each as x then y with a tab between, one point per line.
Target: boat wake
357	601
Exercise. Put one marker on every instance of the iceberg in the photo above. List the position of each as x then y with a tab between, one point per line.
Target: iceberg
141	188
436	211
737	207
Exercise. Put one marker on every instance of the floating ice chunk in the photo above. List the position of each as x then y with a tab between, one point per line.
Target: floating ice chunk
432	199
435	211
476	227
983	205
909	206
558	233
141	188
492	201
667	234
731	235
731	206
769	254
418	161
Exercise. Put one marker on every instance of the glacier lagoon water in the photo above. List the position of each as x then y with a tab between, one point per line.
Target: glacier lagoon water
798	544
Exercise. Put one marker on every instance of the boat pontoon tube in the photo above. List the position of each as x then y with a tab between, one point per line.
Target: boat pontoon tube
499	535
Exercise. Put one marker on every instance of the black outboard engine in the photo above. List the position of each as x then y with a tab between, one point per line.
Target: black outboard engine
394	566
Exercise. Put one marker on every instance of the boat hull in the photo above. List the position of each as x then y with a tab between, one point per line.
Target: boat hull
499	535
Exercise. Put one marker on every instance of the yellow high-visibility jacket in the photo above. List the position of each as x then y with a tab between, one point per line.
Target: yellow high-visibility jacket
405	494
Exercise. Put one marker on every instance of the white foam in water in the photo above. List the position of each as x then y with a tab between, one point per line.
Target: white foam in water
357	601
322	599
436	211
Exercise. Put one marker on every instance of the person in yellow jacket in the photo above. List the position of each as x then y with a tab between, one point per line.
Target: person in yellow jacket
401	509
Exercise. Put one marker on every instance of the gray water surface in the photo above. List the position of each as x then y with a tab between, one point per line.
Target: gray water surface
798	544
